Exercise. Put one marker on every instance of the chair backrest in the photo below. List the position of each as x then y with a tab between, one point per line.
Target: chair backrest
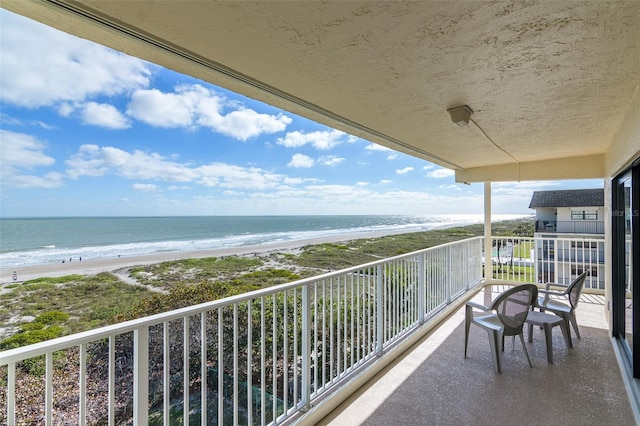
513	306
575	289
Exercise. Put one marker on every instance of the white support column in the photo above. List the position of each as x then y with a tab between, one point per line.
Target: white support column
306	348
380	322
141	376
48	398
488	270
488	267
422	287
11	394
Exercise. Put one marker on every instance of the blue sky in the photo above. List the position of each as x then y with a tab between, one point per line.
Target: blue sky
88	131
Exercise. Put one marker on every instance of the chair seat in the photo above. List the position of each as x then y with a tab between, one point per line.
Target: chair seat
553	305
489	321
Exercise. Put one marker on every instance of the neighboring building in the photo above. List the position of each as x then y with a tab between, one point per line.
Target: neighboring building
568	222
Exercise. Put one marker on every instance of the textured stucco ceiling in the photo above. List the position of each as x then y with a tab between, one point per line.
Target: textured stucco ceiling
549	81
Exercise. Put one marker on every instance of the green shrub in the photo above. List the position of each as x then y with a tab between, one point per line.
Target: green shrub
31	337
53	280
53	317
30	326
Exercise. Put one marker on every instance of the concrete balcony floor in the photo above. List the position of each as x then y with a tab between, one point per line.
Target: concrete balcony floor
433	384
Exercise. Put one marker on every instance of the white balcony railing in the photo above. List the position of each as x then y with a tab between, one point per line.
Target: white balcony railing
257	358
542	260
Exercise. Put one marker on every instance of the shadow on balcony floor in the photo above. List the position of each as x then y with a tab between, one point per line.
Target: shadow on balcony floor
433	384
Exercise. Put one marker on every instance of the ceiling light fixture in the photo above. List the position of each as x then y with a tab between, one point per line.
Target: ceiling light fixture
460	115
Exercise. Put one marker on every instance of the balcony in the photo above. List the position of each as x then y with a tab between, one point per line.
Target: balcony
433	384
571	226
295	352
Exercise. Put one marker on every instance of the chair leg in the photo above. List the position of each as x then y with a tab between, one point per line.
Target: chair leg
524	347
495	340
565	334
567	325
548	342
574	323
467	324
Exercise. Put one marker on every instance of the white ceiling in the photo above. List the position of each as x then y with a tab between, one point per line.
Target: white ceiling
549	81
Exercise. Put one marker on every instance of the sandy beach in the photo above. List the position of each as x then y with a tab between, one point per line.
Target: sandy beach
96	266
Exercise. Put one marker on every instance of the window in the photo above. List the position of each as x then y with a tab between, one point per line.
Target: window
577	270
584	215
585	244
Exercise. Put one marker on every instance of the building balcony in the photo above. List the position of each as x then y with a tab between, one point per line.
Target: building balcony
382	341
433	384
571	226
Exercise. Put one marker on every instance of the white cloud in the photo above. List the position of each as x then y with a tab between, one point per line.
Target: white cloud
441	173
330	160
50	180
392	156
21	152
301	161
7	120
362	183
76	69
337	192
245	123
144	187
376	147
231	176
87	161
65	109
404	171
522	191
322	140
193	106
334	199
164	109
451	187
385	181
298	180
92	160
519	187
104	115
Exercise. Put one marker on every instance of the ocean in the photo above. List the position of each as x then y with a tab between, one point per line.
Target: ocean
36	241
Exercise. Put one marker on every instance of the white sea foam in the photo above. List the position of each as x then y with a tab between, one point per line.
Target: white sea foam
56	254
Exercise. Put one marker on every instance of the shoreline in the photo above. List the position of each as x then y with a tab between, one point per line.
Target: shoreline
96	266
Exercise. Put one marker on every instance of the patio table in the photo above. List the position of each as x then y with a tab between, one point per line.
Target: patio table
547	322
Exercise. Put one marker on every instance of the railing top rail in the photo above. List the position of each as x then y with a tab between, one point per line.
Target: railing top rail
538	238
13	355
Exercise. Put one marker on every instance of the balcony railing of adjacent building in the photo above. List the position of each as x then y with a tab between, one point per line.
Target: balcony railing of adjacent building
571	226
259	358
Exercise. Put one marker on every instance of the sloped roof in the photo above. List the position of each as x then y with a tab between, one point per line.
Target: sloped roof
568	198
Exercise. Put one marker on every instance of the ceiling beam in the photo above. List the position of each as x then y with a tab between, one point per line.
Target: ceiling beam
584	167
